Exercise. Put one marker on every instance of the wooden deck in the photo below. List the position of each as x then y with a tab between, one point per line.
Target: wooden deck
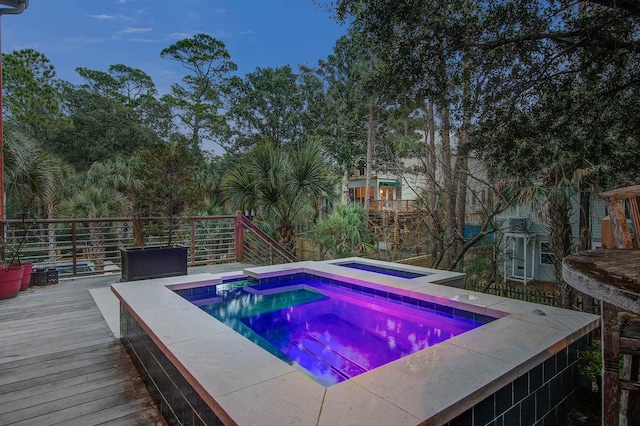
60	363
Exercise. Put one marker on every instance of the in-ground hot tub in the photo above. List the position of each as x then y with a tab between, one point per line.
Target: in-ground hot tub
330	329
519	367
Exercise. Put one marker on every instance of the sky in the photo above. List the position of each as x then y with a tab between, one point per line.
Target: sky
95	34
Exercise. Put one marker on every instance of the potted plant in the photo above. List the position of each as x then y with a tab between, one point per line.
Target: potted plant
167	188
30	175
13	269
10	280
14	275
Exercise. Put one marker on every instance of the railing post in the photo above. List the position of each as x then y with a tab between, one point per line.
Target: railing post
193	242
74	246
239	236
3	235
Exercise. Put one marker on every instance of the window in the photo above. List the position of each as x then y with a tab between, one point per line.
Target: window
546	255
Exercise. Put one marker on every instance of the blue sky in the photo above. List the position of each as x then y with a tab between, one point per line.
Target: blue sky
97	33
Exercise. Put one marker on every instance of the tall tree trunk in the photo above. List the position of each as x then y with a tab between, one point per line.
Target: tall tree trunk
559	212
462	162
97	251
367	181
345	187
584	221
286	235
450	184
584	225
433	220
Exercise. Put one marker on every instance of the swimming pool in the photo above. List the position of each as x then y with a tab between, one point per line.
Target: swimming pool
329	329
520	366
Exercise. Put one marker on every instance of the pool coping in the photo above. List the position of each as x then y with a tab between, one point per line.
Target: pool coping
433	385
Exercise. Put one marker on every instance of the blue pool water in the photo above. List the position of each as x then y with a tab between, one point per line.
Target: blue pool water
382	270
332	332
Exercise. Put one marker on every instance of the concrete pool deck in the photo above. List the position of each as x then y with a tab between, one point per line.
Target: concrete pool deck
244	384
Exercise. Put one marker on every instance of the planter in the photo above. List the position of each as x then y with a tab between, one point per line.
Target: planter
39	277
10	281
26	275
52	276
141	263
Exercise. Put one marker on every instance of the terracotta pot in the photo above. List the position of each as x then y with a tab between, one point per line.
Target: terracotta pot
26	275
10	281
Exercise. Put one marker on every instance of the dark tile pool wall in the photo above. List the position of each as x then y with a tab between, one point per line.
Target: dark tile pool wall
177	400
541	397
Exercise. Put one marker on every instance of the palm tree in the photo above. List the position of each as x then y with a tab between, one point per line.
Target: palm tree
281	184
552	199
119	174
95	202
31	177
343	233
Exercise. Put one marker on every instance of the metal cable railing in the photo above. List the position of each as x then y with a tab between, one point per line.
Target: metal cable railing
77	247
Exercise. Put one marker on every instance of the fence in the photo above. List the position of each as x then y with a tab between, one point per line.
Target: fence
87	246
548	298
528	295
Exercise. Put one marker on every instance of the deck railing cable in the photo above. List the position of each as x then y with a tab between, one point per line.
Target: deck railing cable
77	247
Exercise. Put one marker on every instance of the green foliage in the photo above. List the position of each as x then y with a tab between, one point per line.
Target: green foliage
342	129
479	268
343	233
113	114
268	104
167	173
95	202
590	364
31	177
280	184
31	101
198	99
31	174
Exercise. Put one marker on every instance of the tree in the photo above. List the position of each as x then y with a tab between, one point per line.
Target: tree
266	105
198	99
423	50
113	113
353	107
168	176
95	202
282	184
343	233
135	89
31	101
32	177
119	174
549	83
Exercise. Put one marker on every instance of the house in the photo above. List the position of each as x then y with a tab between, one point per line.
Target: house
523	240
522	236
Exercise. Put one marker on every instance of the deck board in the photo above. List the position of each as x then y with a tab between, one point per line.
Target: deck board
60	364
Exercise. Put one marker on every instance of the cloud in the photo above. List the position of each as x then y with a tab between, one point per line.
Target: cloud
135	30
179	36
102	17
144	40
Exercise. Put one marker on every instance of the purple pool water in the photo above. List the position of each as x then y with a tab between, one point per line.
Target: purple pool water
333	333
